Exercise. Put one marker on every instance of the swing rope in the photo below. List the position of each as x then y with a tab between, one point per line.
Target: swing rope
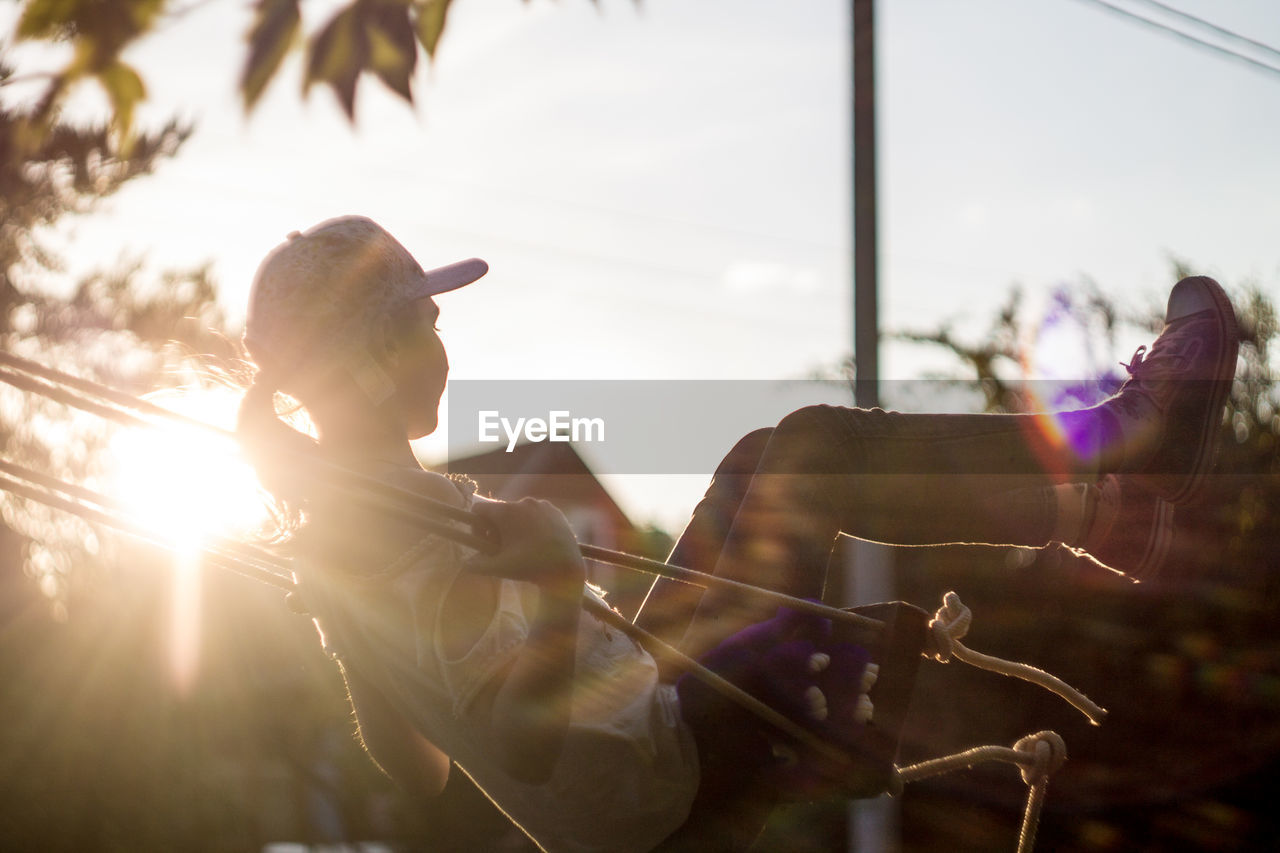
1038	755
952	622
216	555
949	625
260	565
429	514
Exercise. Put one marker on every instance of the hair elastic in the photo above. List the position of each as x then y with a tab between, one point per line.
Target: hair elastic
369	375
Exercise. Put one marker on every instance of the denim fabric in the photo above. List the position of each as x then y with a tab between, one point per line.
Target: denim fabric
781	495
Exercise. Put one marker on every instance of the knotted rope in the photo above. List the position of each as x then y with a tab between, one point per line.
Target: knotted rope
952	622
1038	756
1049	754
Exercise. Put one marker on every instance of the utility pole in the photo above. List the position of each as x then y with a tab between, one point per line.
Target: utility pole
872	824
866	330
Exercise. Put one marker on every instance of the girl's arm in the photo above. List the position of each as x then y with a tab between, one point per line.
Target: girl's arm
412	761
529	705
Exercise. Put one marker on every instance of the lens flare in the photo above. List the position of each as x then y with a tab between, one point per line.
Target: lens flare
1058	351
188	487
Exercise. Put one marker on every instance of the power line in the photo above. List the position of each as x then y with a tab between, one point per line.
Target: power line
597	210
1190	37
1234	36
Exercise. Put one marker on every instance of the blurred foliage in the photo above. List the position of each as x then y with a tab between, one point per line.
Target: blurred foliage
98	33
378	37
102	747
103	751
1188	664
125	326
64	170
1241	514
1000	360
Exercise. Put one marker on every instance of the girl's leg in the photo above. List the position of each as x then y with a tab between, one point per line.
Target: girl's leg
905	479
899	478
669	608
930	479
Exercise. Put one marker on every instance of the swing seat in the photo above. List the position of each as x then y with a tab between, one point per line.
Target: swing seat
898	650
737	796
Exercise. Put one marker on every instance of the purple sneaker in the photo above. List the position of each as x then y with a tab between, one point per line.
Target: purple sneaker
1170	407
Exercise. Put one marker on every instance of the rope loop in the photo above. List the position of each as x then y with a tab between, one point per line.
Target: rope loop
952	622
949	624
1037	756
1049	753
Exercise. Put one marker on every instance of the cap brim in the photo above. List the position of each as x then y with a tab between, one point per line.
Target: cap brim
452	276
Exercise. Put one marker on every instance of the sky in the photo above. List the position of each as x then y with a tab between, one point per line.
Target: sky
662	189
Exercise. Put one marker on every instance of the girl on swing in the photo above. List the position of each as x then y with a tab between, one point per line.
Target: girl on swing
491	662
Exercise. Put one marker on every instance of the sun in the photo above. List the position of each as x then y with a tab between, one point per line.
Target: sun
187	486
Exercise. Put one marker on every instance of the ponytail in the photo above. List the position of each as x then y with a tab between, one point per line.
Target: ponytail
278	453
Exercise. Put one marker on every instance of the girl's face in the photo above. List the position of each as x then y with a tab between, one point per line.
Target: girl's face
419	366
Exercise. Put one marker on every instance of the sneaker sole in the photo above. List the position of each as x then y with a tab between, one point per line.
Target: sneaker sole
1159	542
1224	372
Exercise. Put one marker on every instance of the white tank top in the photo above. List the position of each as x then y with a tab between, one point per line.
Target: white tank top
628	772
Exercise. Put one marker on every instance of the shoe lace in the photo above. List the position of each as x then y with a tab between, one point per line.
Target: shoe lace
1135	362
1166	358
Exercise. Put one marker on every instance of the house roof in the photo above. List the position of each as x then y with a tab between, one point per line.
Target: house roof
552	471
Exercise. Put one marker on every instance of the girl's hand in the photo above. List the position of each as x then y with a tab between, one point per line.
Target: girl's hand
791	664
536	544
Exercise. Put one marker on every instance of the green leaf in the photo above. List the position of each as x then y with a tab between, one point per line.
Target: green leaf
46	19
99	31
112	22
125	89
393	54
430	19
339	52
274	29
144	13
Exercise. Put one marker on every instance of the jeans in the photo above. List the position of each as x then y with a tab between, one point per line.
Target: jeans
780	497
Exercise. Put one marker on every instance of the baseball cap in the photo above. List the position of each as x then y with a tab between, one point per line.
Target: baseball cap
317	298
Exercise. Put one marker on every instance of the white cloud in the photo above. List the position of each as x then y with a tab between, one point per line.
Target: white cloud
757	277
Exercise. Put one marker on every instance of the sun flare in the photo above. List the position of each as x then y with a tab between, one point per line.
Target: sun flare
188	487
185	485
